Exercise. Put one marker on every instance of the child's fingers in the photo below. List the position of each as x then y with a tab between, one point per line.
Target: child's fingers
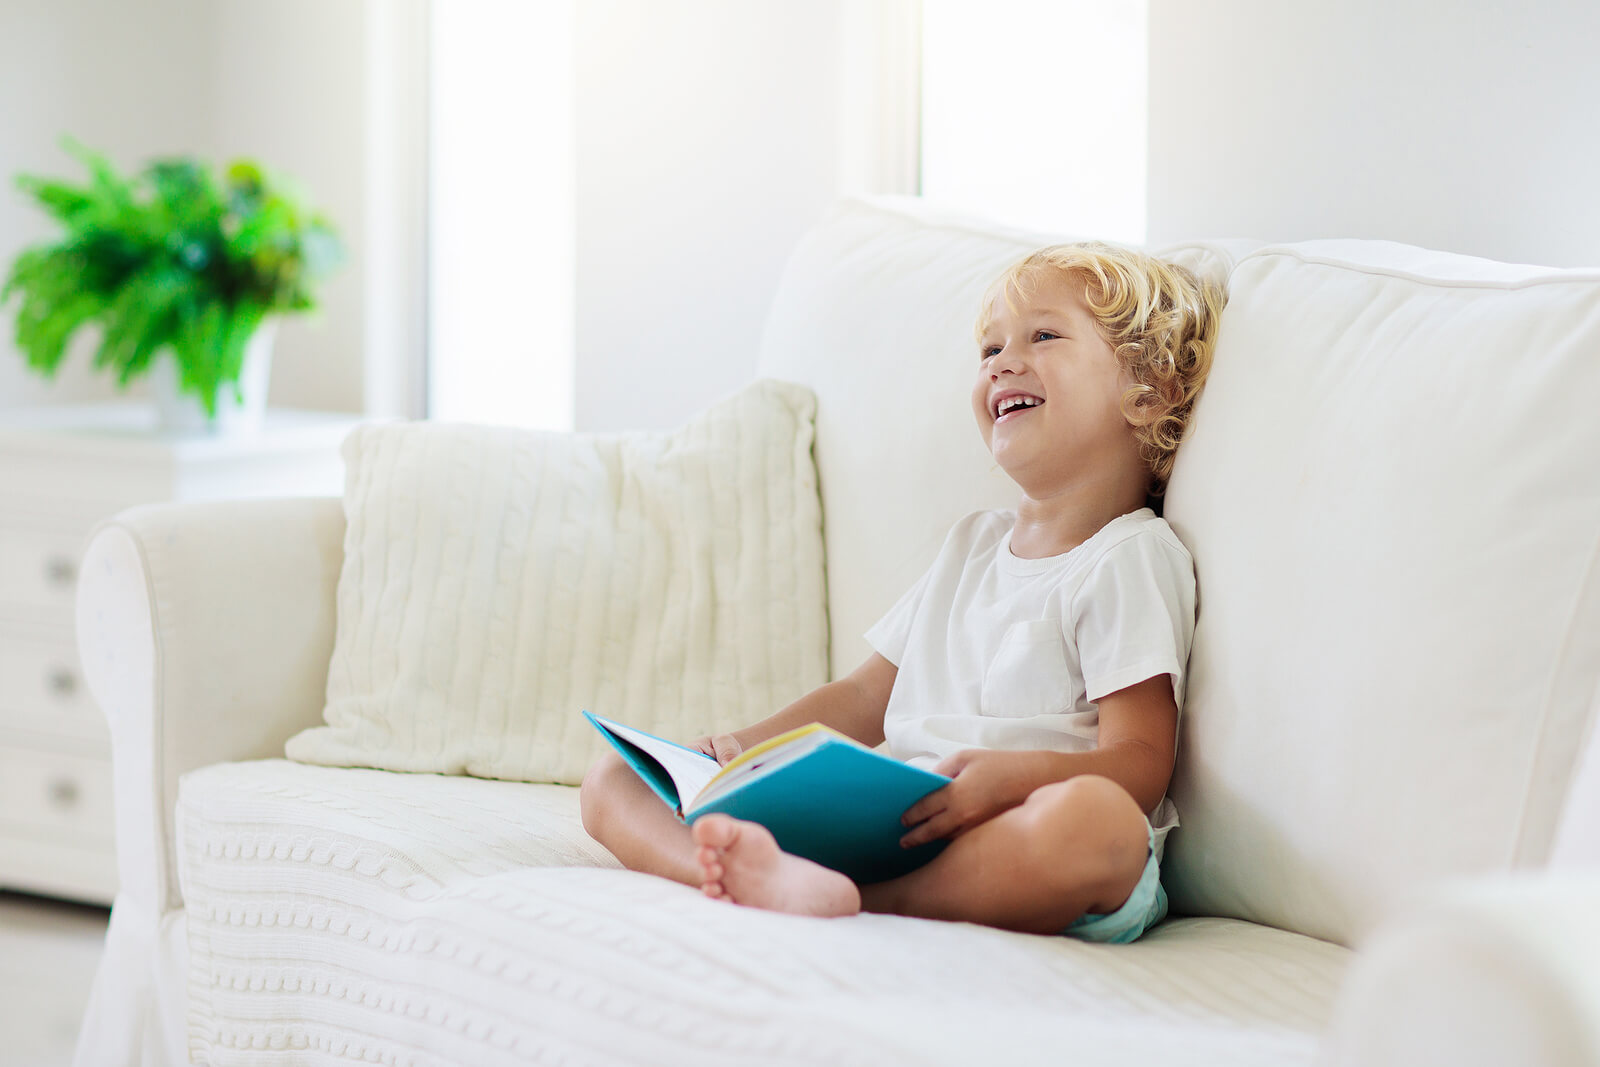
955	763
928	806
938	826
725	746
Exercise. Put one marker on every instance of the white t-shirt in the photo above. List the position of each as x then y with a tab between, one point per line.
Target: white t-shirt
995	651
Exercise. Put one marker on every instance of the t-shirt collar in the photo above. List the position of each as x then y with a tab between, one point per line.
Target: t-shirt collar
1017	565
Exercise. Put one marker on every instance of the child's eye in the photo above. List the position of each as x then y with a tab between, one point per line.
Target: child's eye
1046	335
988	351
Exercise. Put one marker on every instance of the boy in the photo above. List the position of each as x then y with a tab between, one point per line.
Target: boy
1039	661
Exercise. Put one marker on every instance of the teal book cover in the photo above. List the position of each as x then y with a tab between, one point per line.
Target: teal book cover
822	795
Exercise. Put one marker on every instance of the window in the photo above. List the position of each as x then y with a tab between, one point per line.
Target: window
501	209
1033	113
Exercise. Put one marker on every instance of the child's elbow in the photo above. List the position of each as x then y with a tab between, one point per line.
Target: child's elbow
1149	773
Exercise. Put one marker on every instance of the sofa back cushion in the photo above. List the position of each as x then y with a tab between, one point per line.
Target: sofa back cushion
496	582
1389	490
1577	839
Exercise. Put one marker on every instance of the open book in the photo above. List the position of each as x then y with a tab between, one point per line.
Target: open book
822	795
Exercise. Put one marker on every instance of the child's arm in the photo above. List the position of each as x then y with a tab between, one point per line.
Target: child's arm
1137	747
854	705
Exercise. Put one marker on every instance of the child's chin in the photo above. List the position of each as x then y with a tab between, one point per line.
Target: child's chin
1006	462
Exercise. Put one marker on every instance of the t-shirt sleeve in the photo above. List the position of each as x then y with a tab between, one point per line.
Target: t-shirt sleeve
889	635
1134	616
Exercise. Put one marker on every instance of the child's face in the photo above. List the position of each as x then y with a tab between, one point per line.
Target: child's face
1050	350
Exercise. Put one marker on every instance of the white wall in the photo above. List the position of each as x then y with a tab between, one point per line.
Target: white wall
1463	127
706	145
121	78
288	88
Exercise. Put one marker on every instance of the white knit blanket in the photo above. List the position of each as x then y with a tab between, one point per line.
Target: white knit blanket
340	916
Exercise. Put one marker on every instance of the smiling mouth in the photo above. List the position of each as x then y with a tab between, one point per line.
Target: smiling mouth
1018	412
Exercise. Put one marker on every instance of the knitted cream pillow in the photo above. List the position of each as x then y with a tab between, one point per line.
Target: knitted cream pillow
498	581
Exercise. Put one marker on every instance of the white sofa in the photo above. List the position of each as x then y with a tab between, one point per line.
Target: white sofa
1387	776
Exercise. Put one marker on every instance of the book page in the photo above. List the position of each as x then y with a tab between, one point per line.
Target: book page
766	757
688	769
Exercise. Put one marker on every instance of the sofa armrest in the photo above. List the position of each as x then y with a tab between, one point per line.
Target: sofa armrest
205	631
1485	972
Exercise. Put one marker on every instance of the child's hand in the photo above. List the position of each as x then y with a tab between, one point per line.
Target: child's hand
721	747
986	783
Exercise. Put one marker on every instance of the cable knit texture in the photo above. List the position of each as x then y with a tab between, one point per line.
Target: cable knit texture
353	916
498	581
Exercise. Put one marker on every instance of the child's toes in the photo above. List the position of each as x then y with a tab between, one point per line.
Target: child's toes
715	831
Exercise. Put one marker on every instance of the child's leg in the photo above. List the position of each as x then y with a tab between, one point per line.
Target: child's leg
1073	847
621	813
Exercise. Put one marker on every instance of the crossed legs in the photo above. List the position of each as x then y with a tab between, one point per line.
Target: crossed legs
1073	847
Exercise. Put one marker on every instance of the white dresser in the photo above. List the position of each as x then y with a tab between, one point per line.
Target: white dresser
62	470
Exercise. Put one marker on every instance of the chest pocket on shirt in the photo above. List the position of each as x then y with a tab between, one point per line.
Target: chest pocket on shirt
1028	674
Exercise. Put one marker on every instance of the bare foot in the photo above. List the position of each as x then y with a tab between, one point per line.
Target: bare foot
740	861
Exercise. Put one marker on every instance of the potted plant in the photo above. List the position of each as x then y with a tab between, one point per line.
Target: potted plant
183	271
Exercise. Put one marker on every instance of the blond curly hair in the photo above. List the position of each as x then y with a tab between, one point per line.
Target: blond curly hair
1160	320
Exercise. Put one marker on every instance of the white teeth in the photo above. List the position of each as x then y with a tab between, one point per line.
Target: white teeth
1011	403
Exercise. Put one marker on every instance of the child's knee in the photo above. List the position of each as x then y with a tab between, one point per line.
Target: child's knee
1088	799
599	786
1095	824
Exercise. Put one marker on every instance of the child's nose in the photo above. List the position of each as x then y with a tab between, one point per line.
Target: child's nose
1004	360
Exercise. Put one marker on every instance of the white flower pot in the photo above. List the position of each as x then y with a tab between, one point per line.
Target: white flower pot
183	414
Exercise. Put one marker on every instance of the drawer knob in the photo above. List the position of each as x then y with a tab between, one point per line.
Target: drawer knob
63	681
63	793
60	570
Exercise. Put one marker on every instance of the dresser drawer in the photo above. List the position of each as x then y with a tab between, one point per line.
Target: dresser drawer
55	795
39	568
42	690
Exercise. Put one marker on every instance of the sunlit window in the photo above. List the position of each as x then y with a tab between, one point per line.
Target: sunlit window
501	242
1029	112
1033	113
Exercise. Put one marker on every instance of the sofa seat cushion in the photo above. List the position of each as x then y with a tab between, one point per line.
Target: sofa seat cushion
340	916
257	834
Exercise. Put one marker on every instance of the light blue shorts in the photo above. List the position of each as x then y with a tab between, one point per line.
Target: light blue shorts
1145	906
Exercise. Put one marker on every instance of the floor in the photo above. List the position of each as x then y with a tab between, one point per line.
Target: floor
48	953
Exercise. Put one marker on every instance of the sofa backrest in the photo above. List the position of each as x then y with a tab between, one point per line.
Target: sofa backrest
1390	493
1387	494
